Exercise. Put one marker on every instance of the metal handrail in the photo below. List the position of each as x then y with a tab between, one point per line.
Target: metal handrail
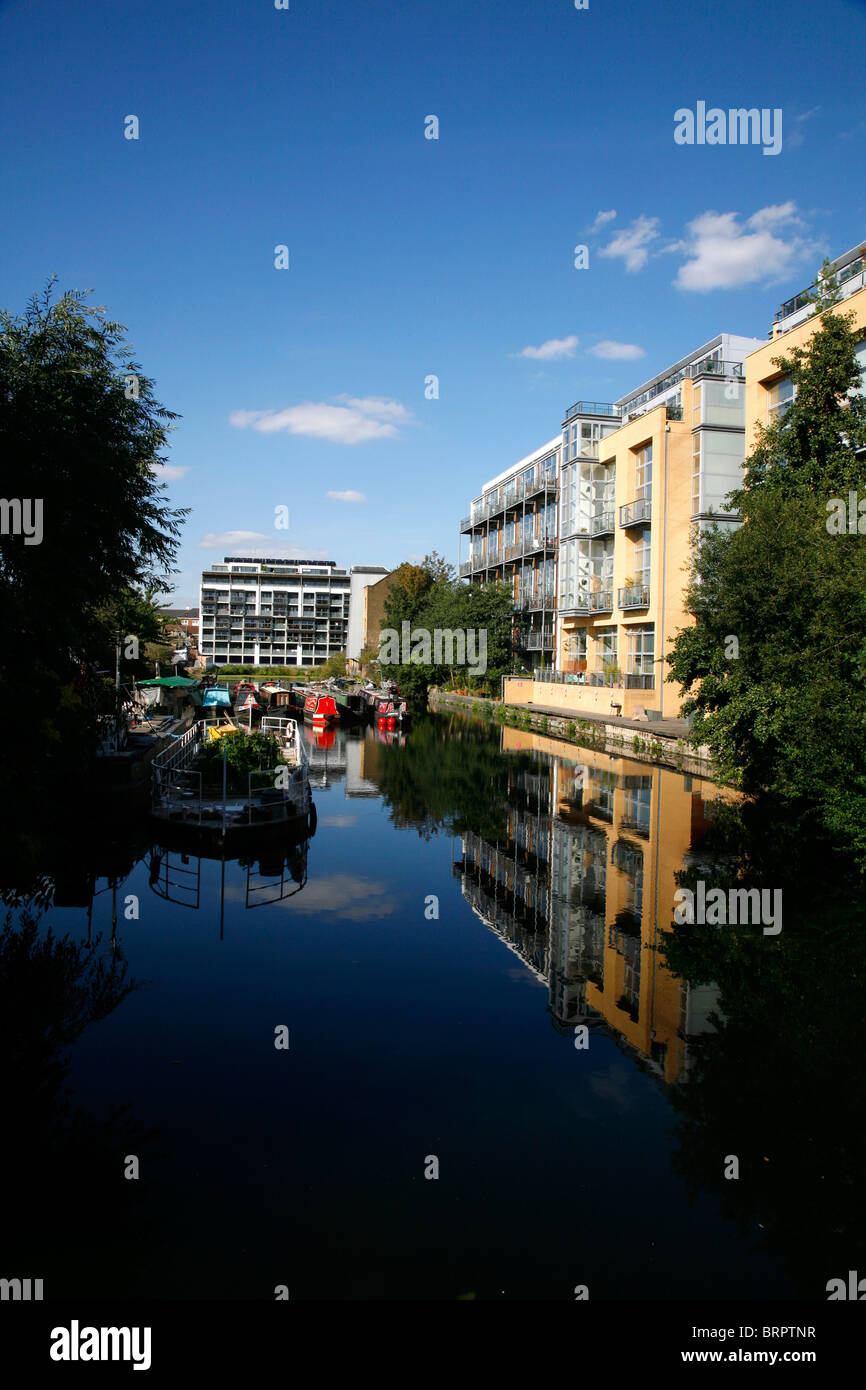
635	512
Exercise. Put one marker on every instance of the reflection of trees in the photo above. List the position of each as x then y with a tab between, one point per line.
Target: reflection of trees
779	1083
57	1160
449	777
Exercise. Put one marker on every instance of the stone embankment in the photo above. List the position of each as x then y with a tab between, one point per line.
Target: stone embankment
662	742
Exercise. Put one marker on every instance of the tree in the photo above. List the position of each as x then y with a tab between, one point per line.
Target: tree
812	449
774	669
826	291
438	568
448	606
82	434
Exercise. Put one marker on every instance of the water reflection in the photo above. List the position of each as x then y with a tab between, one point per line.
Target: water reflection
591	847
753	1036
551	864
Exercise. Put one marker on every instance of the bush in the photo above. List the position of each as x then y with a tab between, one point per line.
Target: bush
245	753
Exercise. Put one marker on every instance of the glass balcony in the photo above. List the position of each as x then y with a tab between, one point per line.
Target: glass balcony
636	513
601	601
592	408
603	522
466	524
531	603
635	596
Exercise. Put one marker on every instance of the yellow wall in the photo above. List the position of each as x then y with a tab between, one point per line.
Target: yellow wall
677	823
574	700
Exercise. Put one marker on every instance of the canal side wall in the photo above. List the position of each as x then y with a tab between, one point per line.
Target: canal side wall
618	738
577	701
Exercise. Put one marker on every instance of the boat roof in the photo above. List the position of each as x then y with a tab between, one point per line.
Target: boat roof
177	682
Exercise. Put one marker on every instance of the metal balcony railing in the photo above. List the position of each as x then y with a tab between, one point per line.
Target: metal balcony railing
545	540
539	641
601	602
857	267
636	513
708	366
635	596
530	603
509	496
465	568
591	408
639	680
603	522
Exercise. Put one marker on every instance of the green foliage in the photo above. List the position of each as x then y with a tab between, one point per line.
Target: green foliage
827	291
245	753
773	1080
812	450
786	714
449	778
72	436
428	597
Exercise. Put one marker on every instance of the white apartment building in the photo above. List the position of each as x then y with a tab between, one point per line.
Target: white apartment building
263	612
512	540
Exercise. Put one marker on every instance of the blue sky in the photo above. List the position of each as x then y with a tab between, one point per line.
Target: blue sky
410	257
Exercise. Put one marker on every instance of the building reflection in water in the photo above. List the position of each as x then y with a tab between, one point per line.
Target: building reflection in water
583	886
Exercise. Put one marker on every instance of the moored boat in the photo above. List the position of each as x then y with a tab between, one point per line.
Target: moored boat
275	801
320	707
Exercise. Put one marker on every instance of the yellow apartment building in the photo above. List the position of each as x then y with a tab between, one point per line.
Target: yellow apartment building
623	495
634	478
582	891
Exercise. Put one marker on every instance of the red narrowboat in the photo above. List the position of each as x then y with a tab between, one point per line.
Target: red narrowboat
320	708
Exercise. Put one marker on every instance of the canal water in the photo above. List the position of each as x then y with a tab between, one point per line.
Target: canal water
495	1085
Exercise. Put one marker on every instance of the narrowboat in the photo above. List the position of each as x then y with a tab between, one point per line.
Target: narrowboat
351	708
320	707
387	705
216	697
273	801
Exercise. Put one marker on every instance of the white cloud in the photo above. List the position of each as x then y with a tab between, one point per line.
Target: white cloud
354	421
168	472
378	406
552	350
349	896
347	496
630	245
616	352
723	252
249	542
601	218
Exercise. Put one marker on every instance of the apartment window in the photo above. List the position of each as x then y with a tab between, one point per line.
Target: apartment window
604	487
642	556
636	804
574	649
696	473
643	473
860	353
780	397
605	650
602	562
641	649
